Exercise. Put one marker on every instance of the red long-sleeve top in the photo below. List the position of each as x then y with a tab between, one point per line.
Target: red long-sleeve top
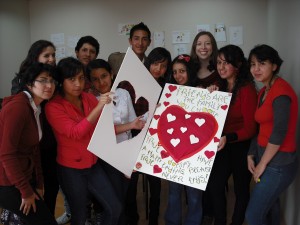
240	116
19	145
72	130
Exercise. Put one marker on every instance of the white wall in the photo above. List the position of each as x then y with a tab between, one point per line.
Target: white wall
14	40
101	18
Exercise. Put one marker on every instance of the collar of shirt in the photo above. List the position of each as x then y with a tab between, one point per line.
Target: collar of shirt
37	112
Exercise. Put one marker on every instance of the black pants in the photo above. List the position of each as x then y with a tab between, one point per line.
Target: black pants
230	160
154	203
10	198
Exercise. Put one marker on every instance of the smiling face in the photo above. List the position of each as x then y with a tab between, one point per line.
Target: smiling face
158	69
204	47
262	71
86	53
226	70
47	56
101	80
42	88
139	43
73	86
180	74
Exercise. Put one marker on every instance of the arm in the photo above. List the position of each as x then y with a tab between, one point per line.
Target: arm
17	117
248	108
135	122
281	109
248	97
74	127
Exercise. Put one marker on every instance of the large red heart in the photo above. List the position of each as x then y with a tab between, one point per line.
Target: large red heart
183	134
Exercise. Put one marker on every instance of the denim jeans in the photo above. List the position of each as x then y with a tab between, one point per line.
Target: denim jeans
264	200
10	198
173	214
79	185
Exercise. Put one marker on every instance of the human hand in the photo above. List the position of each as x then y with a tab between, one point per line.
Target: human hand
27	203
258	171
138	123
212	88
251	163
105	99
222	143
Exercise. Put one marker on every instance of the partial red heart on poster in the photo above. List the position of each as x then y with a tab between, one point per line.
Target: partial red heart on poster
172	88
152	131
157	169
156	117
164	154
183	134
209	154
168	95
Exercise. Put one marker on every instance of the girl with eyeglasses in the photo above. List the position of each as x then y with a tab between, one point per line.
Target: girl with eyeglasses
21	178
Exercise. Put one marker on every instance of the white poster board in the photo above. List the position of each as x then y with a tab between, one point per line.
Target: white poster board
181	142
103	142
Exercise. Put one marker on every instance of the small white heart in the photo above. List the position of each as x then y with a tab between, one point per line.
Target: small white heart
199	122
187	116
170	117
175	142
170	131
183	129
194	139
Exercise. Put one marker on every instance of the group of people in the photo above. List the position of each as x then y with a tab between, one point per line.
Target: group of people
48	121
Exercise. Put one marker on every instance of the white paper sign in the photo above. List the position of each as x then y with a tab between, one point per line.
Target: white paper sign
180	37
181	142
220	32
103	142
236	35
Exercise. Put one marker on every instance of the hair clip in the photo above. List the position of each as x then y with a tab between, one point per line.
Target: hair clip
185	58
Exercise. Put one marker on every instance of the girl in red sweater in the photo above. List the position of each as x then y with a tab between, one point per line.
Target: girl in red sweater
21	178
272	157
73	115
239	128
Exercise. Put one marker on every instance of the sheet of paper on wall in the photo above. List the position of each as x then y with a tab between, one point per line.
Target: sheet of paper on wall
58	39
72	41
60	53
181	37
124	29
220	32
158	39
103	143
203	27
179	49
236	35
181	142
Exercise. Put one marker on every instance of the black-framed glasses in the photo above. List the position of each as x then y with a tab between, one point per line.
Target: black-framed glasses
45	81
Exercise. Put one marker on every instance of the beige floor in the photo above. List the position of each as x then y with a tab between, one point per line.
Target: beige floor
142	206
141	203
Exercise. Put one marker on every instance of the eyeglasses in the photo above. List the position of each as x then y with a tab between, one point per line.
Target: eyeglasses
45	82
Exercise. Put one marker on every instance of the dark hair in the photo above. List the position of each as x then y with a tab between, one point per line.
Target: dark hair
90	40
140	26
67	68
28	77
190	68
97	64
34	52
214	55
235	56
266	52
32	57
159	54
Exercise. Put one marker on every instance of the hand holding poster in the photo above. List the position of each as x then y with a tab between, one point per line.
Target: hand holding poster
182	140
